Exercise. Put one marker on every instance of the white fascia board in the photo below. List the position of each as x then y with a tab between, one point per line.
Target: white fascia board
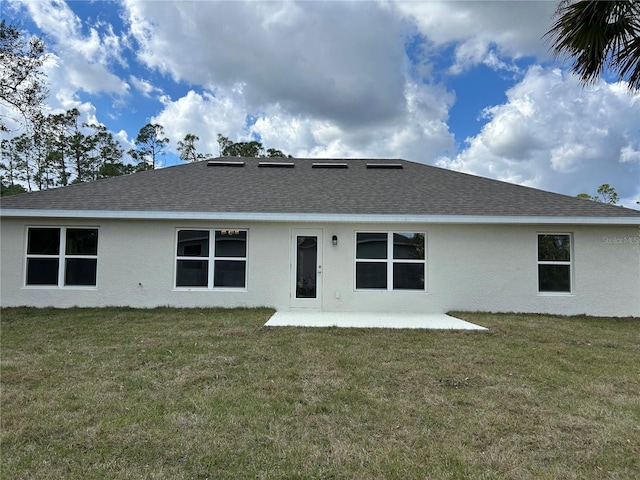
318	217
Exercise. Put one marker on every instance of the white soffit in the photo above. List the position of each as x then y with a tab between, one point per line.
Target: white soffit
317	217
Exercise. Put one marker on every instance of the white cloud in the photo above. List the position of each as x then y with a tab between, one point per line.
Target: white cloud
630	154
82	60
554	134
337	61
126	142
146	88
204	115
319	78
481	30
420	134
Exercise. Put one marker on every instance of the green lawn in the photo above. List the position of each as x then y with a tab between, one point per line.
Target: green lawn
195	394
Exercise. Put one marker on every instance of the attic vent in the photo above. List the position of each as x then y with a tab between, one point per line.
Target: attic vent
225	163
276	164
386	166
329	165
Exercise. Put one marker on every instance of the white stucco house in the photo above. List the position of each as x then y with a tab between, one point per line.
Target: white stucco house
323	235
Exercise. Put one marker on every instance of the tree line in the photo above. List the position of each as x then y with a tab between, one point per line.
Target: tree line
60	150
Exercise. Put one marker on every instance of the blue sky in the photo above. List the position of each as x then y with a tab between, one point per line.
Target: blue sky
466	85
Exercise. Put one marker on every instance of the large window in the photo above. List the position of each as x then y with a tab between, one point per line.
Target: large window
62	256
554	262
390	261
211	258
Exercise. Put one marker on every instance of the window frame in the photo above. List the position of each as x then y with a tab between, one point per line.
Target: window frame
389	261
568	263
211	258
61	257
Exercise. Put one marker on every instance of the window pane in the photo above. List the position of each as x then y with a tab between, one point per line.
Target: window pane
231	243
193	243
42	271
408	245
371	245
554	248
192	273
82	241
229	273
80	271
371	275
44	241
554	278
408	276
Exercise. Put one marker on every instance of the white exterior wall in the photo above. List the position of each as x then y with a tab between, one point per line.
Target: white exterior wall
469	267
136	267
494	268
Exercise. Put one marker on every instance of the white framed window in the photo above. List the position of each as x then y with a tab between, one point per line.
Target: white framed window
390	261
555	269
61	257
211	259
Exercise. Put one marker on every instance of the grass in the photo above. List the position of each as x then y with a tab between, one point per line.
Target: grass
196	394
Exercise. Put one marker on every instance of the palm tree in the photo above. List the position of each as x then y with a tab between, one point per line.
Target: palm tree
599	35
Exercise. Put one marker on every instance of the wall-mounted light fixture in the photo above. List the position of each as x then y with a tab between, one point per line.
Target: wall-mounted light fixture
334	240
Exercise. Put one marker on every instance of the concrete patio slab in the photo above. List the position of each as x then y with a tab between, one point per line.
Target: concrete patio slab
369	320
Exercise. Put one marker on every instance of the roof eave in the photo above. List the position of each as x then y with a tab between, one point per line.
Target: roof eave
317	217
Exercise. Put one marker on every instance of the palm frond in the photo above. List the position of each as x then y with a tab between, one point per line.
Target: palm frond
599	35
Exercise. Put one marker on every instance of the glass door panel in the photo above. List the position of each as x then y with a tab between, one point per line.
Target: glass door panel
306	266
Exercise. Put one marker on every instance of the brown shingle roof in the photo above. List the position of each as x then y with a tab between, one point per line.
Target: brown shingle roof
414	189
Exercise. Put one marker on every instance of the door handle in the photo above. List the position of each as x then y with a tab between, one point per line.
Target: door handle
319	269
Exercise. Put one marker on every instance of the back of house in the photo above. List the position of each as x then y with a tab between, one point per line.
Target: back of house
366	235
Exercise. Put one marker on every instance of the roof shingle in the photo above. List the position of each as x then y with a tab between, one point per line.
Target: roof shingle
414	189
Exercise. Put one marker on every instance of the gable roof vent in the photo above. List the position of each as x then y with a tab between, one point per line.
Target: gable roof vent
329	165
385	166
276	164
225	163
